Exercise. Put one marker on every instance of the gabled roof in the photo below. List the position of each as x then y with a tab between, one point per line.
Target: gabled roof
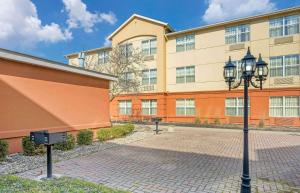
141	17
90	50
36	61
233	21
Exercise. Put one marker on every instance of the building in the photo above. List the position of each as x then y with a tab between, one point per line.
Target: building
183	79
38	94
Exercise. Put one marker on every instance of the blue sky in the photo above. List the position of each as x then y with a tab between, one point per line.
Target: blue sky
53	28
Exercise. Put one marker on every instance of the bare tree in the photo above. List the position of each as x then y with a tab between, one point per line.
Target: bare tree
126	65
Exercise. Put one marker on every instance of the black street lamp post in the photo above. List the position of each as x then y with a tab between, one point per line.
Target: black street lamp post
253	73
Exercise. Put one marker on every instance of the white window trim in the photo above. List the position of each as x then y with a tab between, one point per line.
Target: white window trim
150	102
185	42
149	77
236	106
126	108
149	46
284	64
185	107
283	106
185	74
237	33
283	26
104	58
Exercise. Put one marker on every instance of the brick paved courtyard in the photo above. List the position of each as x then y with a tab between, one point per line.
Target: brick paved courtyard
192	160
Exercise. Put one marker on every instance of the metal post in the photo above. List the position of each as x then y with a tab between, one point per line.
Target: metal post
49	161
245	186
156	123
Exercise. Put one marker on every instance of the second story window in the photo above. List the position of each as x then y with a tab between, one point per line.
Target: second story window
81	58
185	74
185	43
149	47
128	77
149	76
288	65
126	49
236	34
238	64
103	57
284	26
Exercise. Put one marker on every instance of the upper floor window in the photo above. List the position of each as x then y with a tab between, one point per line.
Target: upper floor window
284	26
288	65
126	49
149	107
185	74
125	107
238	64
81	58
235	106
185	43
185	107
103	57
149	47
128	76
149	76
284	106
236	34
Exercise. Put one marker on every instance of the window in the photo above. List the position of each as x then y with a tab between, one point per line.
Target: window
103	57
185	74
284	26
149	76
125	107
185	107
238	64
285	65
149	107
284	106
128	76
81	58
235	106
149	47
185	43
236	34
126	49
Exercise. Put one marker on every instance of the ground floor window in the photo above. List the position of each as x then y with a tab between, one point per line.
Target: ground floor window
185	107
125	107
235	106
149	107
284	106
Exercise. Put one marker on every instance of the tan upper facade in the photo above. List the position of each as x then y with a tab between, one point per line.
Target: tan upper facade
193	59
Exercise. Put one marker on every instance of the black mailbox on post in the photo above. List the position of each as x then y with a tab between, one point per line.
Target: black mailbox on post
48	139
156	120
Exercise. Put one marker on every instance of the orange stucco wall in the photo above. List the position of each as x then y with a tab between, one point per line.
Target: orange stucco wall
37	98
209	106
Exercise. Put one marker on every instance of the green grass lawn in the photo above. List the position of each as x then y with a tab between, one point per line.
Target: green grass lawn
13	184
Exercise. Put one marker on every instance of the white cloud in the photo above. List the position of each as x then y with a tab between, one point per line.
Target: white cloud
107	42
80	17
220	10
21	26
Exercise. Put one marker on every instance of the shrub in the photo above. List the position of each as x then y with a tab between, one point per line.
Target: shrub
66	145
116	131
261	124
206	122
197	121
30	148
85	137
217	121
3	150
